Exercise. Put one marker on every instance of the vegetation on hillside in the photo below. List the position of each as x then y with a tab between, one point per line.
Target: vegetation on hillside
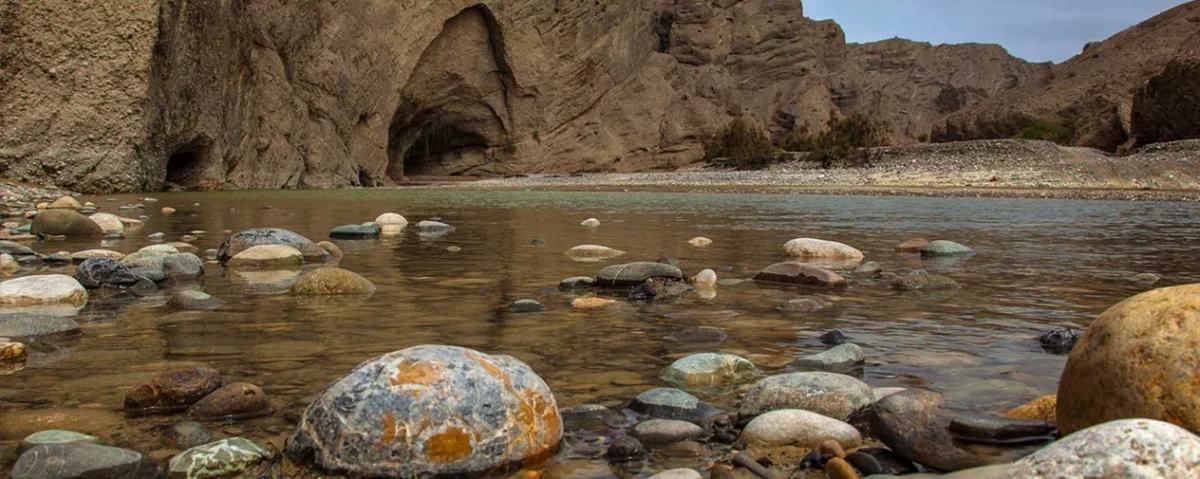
741	144
843	142
1061	132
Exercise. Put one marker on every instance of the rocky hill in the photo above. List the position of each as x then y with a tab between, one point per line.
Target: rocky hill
101	96
1093	93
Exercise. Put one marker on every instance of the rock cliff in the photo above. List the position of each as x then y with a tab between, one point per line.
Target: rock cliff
111	95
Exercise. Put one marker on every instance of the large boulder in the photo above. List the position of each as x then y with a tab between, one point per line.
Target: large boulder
66	203
429	411
42	290
263	236
818	248
108	222
800	274
268	256
708	370
1137	360
794	427
833	395
97	272
64	222
634	274
330	280
1126	448
391	224
49	461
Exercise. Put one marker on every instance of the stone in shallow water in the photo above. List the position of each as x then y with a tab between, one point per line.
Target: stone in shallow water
1059	341
56	436
54	461
592	303
794	427
330	280
261	236
634	274
433	228
193	300
1001	429
172	391
708	370
16	249
527	306
22	326
905	423
233	401
10	351
660	432
625	448
869	268
42	289
355	232
65	222
577	282
834	395
97	272
800	274
590	222
842	358
1041	409
944	248
429	411
924	282
666	403
224	458
818	248
703	334
268	256
677	474
187	434
912	245
586	416
591	251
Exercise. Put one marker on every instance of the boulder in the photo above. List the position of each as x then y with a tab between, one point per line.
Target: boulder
842	358
193	300
231	402
23	326
833	395
15	249
924	282
225	458
429	411
263	236
944	248
1042	409
794	427
708	370
108	222
64	222
661	432
334	251
42	290
273	256
149	256
634	274
391	219
667	403
1136	360
173	391
65	202
56	436
182	266
905	423
705	279
355	232
1124	448
97	272
912	245
51	461
330	281
591	251
817	248
801	274
590	223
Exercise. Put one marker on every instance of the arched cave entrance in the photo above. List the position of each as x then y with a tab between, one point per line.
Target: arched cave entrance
187	165
454	112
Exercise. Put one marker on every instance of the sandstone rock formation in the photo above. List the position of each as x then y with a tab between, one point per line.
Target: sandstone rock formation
100	96
1091	93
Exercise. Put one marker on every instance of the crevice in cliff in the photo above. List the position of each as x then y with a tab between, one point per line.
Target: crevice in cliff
187	165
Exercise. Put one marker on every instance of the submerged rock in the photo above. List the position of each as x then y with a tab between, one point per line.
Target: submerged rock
64	222
193	300
16	250
224	458
1042	409
24	326
701	334
800	274
1001	430
1137	359
330	281
1123	448
625	448
590	222
905	423
264	236
173	391
708	370
527	306
577	282
353	232
944	248
667	403
818	248
187	434
700	242
912	245
433	228
868	269
793	427
633	274
842	358
924	282
592	303
334	251
591	251
233	401
834	395
429	411
50	461
56	436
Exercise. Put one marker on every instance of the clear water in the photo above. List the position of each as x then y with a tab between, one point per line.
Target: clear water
1042	264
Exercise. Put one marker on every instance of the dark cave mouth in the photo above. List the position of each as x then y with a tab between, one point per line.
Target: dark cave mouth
187	165
433	142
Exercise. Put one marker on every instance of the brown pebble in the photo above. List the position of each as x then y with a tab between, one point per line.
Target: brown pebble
832	447
720	471
837	468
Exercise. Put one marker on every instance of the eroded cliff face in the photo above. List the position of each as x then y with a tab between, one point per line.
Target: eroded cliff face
315	93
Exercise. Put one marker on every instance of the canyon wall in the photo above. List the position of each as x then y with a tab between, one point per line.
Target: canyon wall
122	95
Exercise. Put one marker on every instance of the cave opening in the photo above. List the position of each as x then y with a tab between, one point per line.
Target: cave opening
420	150
187	165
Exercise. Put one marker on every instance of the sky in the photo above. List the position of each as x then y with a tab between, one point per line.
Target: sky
1036	30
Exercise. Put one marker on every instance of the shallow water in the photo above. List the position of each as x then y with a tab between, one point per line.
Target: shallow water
1042	264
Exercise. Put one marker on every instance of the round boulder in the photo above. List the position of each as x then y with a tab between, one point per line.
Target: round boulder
269	256
1137	360
108	222
334	251
429	411
793	427
391	224
66	203
233	401
829	394
97	272
42	289
262	236
1125	448
65	222
708	370
944	248
173	391
818	248
329	280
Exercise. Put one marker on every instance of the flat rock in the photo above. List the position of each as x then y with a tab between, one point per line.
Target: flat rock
577	282
905	423
232	401
331	281
526	306
944	248
633	274
173	391
677	474
63	461
924	282
708	370
224	458
474	412
25	326
433	227
666	403
800	274
15	249
263	236
591	251
1123	448
193	300
793	427
592	302
818	248
56	436
842	358
661	432
42	289
1001	430
833	395
273	256
355	232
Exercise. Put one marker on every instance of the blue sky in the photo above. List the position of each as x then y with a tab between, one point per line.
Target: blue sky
1036	30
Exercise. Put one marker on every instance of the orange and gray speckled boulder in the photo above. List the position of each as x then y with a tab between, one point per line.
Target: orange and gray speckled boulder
429	411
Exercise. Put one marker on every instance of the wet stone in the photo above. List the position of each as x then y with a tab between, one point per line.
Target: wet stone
264	236
527	306
1001	430
355	232
924	282
708	370
587	416
800	274
699	335
1059	341
577	282
634	274
944	248
97	272
677	474
56	436
834	395
905	422
868	269
224	458
625	448
802	306
173	391
833	338
55	461
23	326
193	300
15	249
843	358
793	427
667	403
661	432
233	401
187	434
332	281
864	463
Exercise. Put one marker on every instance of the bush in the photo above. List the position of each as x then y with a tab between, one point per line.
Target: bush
923	138
1062	132
740	145
843	141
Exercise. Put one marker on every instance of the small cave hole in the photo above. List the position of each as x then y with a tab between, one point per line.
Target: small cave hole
187	165
434	141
